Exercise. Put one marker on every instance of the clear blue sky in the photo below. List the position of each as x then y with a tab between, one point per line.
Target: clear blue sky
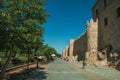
67	21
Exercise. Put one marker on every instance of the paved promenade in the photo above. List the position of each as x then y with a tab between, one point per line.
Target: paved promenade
62	70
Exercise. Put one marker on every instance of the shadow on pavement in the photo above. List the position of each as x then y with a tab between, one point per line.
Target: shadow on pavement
29	74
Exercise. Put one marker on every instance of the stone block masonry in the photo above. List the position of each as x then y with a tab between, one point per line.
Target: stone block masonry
80	47
65	53
92	41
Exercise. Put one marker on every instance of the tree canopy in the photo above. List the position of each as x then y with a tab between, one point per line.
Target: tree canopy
21	21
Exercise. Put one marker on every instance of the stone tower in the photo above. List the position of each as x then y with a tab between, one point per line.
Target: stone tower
67	52
92	35
63	54
92	41
71	49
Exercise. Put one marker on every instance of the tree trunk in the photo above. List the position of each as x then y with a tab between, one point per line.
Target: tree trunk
6	55
3	70
28	61
37	63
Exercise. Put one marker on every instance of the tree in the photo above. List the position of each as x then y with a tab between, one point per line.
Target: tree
3	34
18	19
31	41
48	51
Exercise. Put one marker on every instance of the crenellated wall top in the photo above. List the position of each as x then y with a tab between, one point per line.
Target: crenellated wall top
91	23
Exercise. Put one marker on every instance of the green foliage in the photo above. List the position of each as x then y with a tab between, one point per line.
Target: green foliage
20	24
2	54
2	62
59	55
46	50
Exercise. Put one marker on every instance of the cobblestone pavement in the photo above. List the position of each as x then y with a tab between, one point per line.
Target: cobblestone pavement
109	74
61	70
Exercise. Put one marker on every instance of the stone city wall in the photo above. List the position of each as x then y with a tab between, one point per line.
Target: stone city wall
65	53
80	47
102	36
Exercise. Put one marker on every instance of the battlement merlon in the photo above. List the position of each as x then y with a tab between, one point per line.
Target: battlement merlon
72	41
92	22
